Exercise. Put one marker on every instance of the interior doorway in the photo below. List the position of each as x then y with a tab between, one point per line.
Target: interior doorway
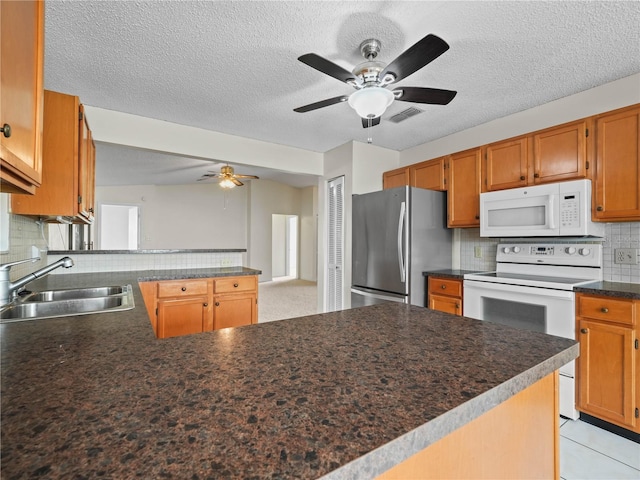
119	227
284	246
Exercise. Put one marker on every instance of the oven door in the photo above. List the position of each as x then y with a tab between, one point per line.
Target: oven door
529	308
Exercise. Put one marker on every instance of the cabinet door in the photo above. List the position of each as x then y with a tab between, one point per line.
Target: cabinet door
617	186
605	369
395	178
84	166
506	164
234	311
181	316
463	205
445	304
21	94
429	174
560	153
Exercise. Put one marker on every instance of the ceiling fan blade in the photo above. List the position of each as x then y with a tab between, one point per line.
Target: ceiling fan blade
327	67
416	57
246	176
321	104
433	96
374	122
236	181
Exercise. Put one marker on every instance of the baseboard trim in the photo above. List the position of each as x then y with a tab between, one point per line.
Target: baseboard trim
623	432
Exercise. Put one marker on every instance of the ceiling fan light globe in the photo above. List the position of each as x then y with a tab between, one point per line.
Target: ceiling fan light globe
226	183
371	102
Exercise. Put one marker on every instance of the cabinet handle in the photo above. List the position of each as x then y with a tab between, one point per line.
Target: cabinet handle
522	177
477	217
184	289
6	130
584	330
443	286
235	285
599	208
604	310
205	304
457	306
217	304
536	175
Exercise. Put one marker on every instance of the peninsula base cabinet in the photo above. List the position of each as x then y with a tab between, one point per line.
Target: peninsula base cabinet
608	387
444	294
184	307
518	438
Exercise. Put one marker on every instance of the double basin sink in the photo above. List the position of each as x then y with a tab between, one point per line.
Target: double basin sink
69	302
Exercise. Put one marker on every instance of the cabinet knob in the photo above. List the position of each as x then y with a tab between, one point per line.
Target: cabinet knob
205	304
584	330
477	217
599	208
6	130
217	304
184	289
235	285
604	310
536	175
443	286
522	177
457	306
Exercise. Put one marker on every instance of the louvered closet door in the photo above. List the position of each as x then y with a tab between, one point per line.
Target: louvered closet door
335	242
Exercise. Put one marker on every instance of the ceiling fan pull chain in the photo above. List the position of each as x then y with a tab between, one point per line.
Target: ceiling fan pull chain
369	130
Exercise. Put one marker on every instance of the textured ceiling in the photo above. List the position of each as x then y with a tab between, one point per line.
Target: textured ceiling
232	67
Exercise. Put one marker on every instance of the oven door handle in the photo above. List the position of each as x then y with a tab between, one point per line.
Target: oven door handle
472	286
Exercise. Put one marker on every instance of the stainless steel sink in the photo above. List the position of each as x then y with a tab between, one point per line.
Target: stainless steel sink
76	293
65	303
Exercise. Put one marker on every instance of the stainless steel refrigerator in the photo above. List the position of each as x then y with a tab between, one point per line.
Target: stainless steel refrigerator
397	234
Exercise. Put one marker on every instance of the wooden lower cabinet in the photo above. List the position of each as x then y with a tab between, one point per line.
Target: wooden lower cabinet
609	364
183	307
518	438
444	294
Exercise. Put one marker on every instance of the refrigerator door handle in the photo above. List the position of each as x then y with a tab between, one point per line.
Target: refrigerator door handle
400	250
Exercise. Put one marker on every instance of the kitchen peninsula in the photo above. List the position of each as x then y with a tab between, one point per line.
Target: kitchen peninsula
346	394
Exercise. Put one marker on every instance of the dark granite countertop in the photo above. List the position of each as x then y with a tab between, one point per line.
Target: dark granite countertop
611	289
345	394
170	250
455	274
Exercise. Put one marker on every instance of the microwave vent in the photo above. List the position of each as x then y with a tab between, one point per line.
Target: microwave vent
405	114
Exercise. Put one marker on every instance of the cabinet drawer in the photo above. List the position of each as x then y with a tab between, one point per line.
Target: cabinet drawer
604	308
445	286
235	284
182	288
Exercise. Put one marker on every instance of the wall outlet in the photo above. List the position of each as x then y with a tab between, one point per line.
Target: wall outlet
626	256
226	262
477	252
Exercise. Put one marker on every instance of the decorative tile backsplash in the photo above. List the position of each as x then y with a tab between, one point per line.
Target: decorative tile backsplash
24	233
617	235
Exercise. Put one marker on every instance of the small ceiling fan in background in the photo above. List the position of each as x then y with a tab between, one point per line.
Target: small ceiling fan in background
370	79
228	178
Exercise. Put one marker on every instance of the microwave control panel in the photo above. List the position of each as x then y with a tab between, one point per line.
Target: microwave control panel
570	210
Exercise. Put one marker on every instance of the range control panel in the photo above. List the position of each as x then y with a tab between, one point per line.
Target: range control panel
578	254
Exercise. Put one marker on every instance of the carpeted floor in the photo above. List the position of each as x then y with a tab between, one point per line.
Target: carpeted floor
282	299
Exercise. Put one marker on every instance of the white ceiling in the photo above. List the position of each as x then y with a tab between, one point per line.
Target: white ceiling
231	66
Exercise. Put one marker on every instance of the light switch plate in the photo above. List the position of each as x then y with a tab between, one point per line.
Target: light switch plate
626	256
477	252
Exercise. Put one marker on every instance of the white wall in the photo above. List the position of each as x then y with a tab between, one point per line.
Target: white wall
184	216
369	163
610	96
308	251
278	242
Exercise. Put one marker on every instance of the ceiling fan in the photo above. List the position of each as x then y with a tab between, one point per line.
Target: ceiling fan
228	178
370	79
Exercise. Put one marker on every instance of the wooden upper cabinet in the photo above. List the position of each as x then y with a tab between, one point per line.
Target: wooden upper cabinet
561	153
21	95
429	174
68	171
463	205
617	172
506	164
395	178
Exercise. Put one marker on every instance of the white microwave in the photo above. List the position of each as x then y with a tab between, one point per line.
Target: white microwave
552	210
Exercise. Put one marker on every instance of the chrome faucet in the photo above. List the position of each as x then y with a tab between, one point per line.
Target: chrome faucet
9	289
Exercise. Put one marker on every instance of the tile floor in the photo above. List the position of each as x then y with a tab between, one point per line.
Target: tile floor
588	452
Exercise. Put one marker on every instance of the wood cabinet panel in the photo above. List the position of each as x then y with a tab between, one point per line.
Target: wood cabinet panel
179	288
234	310
463	206
429	174
444	294
395	178
608	309
182	316
21	95
235	284
561	153
445	304
445	286
506	164
617	185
